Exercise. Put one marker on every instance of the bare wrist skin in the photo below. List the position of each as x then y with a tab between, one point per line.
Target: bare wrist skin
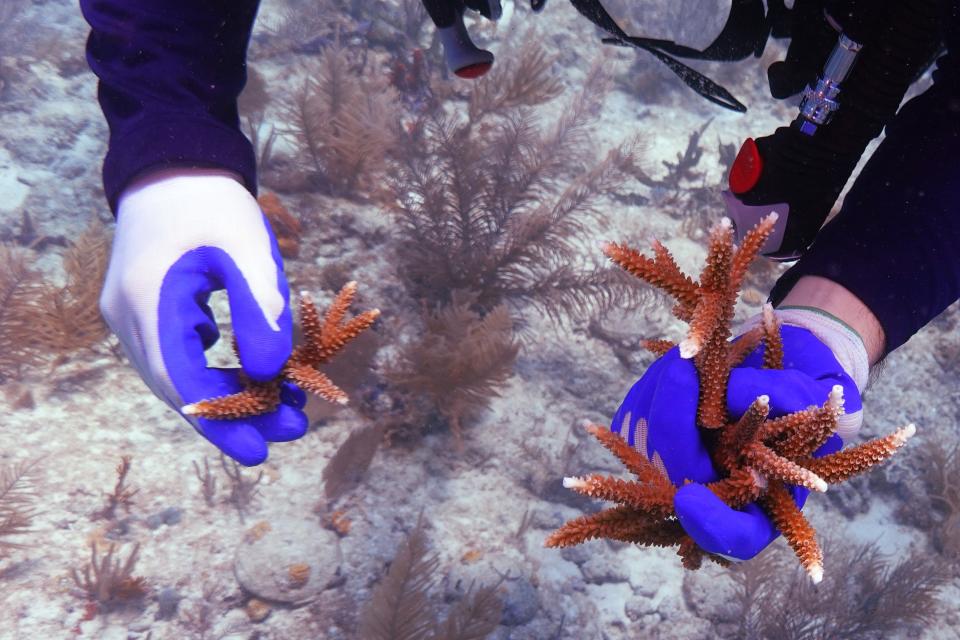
826	295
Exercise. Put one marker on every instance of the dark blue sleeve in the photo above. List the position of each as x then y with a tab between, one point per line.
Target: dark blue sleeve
895	243
170	72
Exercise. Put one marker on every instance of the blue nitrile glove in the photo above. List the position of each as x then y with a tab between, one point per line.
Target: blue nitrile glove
665	398
181	235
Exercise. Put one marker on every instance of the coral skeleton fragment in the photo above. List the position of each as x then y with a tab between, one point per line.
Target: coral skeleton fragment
323	339
756	457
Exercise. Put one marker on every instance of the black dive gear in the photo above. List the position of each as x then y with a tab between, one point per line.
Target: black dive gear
462	56
811	39
745	33
802	173
489	9
443	13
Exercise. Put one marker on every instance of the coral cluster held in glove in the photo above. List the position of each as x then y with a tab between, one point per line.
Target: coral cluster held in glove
322	340
713	459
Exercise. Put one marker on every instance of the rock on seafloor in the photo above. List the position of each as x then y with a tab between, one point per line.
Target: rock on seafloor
288	562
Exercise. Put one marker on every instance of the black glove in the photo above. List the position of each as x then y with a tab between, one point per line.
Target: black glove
801	176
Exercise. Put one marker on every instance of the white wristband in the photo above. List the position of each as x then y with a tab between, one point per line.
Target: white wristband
845	343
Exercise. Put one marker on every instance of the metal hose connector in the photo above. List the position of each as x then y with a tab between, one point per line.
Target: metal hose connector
819	103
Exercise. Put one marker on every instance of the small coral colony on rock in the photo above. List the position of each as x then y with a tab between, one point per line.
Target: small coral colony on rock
756	457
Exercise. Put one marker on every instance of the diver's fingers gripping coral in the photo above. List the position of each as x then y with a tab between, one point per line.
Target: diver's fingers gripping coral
323	339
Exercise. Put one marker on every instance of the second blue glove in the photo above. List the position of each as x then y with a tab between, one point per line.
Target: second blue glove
658	417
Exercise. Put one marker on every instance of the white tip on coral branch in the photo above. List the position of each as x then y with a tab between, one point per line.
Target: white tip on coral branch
725	223
769	318
903	434
189	409
816	573
304	294
763	401
573	482
819	484
689	348
773	216
835	399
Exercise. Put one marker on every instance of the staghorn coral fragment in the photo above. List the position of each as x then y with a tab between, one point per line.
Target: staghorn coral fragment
635	461
314	381
843	465
323	339
657	500
772	340
742	486
796	529
658	347
772	465
256	398
750	248
744	346
736	437
665	275
755	455
821	424
617	523
707	316
805	425
691	556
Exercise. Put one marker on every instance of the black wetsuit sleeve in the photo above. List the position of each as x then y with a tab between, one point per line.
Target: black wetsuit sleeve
170	72
441	12
895	243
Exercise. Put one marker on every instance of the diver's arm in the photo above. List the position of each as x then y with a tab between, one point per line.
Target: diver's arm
815	292
170	72
895	245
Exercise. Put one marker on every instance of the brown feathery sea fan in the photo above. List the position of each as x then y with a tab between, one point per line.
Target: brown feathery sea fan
755	456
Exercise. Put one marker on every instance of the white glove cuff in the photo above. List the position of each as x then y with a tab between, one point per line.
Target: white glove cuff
845	343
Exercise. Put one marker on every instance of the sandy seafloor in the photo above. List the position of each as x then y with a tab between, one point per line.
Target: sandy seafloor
52	139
